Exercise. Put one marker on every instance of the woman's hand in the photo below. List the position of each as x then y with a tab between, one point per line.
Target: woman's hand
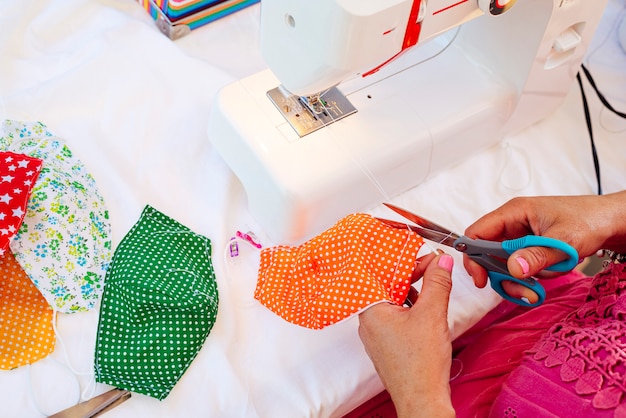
588	223
411	347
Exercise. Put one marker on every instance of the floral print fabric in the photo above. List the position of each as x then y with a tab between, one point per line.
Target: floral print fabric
64	242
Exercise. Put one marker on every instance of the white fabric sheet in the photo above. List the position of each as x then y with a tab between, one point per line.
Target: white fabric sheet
133	106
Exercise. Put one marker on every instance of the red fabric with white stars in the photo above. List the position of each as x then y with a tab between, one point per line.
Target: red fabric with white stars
18	174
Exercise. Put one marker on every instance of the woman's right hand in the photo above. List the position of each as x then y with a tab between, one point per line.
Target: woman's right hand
588	223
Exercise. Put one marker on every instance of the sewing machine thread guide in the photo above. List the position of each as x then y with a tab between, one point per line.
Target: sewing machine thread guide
306	116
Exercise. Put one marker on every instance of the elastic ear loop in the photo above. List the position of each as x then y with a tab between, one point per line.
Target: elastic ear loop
207	253
68	366
604	114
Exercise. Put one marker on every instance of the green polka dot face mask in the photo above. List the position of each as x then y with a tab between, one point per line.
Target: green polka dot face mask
159	305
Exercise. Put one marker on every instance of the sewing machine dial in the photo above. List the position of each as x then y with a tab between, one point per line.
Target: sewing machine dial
495	7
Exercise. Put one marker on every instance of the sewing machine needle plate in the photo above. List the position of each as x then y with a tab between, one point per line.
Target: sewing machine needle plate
306	116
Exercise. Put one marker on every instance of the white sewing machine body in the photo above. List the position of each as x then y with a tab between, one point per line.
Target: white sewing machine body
435	104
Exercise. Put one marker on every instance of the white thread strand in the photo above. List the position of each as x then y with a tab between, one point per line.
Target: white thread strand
33	395
508	161
351	156
604	117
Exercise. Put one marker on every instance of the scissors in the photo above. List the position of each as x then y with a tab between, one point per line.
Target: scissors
95	406
491	255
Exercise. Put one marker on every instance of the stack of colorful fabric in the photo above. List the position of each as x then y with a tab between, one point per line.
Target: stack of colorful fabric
55	242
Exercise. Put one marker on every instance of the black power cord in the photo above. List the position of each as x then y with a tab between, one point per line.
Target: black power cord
605	102
603	99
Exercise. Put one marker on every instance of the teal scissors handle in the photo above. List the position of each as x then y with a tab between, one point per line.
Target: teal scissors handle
513	245
492	256
496	279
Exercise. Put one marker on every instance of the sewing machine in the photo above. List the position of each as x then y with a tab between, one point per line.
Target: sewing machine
365	99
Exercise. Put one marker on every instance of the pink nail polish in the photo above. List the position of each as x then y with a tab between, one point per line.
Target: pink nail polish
523	264
446	262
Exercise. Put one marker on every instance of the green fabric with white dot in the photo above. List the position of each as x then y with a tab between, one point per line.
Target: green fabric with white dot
159	305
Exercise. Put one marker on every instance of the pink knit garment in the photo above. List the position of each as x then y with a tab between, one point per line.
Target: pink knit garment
578	368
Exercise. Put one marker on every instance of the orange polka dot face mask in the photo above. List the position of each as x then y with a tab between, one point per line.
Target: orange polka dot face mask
356	263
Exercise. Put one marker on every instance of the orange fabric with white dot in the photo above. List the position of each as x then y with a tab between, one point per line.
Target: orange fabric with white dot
26	333
357	262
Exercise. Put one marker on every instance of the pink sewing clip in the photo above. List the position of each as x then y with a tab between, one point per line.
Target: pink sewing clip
249	237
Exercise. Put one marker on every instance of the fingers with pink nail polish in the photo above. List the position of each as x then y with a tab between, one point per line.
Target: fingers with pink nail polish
446	262
523	265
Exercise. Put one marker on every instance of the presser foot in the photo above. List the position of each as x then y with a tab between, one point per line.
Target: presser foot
308	114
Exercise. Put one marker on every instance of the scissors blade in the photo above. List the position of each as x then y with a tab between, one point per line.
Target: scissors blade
419	220
95	406
436	236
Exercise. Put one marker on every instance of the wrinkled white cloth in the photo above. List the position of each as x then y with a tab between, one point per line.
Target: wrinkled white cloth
129	102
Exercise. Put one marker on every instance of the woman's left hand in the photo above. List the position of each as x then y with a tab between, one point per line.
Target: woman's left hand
411	347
